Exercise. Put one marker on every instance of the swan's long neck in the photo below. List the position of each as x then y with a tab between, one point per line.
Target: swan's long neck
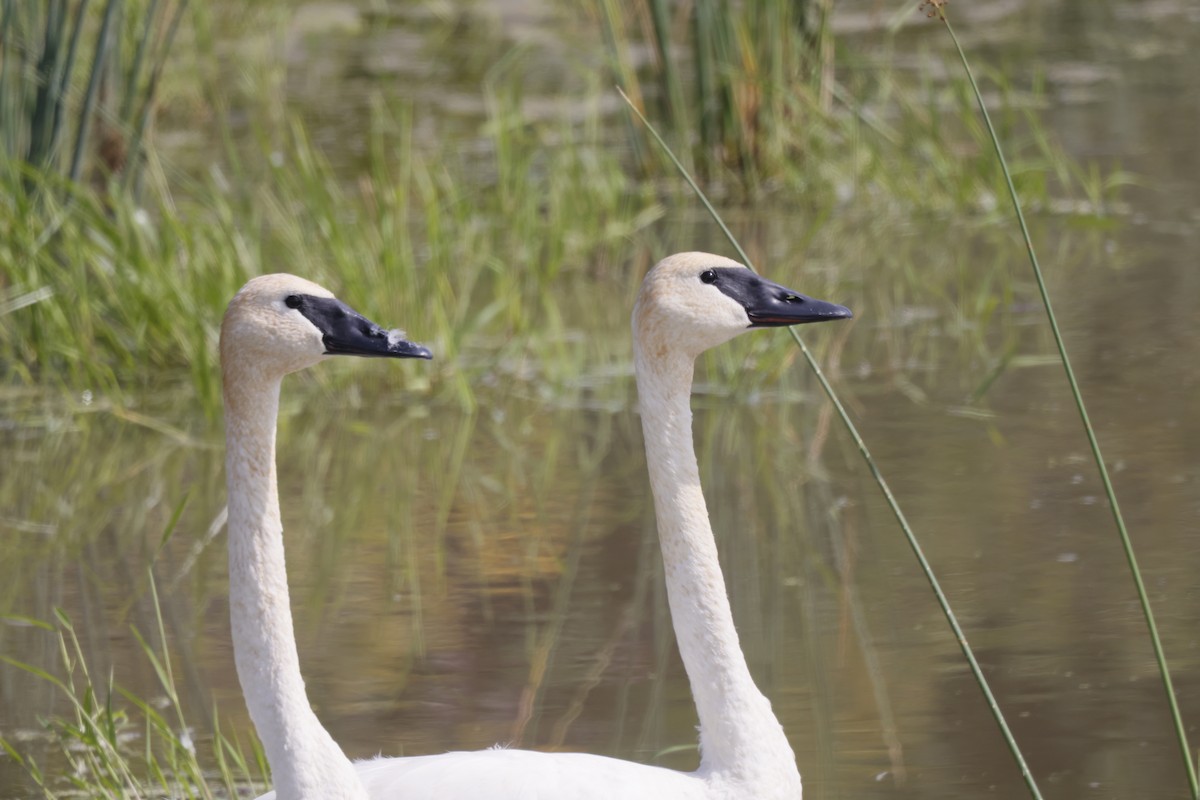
306	763
739	735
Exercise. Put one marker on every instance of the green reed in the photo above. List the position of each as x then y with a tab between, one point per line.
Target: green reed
119	52
937	9
852	429
725	71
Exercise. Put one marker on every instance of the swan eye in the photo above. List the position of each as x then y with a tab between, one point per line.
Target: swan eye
708	276
292	301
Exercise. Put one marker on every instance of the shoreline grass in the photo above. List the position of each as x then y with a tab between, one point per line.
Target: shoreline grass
97	739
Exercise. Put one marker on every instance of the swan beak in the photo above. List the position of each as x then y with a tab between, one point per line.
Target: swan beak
345	332
786	307
769	305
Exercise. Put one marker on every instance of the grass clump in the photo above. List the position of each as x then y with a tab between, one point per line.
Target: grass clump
108	295
747	96
116	745
731	73
490	254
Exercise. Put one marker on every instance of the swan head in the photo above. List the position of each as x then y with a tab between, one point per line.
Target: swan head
282	323
690	302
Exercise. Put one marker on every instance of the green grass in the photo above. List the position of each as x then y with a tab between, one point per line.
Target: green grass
730	73
116	745
463	250
106	295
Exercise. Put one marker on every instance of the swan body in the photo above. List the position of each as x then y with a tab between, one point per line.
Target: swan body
688	303
524	775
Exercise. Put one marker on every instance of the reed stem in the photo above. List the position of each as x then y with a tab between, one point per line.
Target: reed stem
943	602
1126	543
93	89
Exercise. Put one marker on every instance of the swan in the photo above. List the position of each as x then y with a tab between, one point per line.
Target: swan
688	303
274	325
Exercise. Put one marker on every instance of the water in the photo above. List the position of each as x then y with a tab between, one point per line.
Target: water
463	579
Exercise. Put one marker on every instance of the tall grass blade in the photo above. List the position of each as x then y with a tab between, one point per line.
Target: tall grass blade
135	71
93	89
47	72
611	15
139	131
943	602
7	106
170	529
676	105
35	671
68	70
705	92
1110	493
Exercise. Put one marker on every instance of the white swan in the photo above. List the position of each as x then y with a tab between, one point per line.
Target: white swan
688	303
275	325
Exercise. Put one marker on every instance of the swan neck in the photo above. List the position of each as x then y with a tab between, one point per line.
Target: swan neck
305	761
739	733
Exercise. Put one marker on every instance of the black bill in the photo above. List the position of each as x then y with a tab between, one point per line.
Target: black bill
348	333
769	305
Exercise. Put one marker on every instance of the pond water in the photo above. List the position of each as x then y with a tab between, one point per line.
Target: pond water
466	578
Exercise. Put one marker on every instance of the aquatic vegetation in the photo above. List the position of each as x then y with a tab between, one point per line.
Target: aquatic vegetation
46	50
107	294
741	77
120	746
